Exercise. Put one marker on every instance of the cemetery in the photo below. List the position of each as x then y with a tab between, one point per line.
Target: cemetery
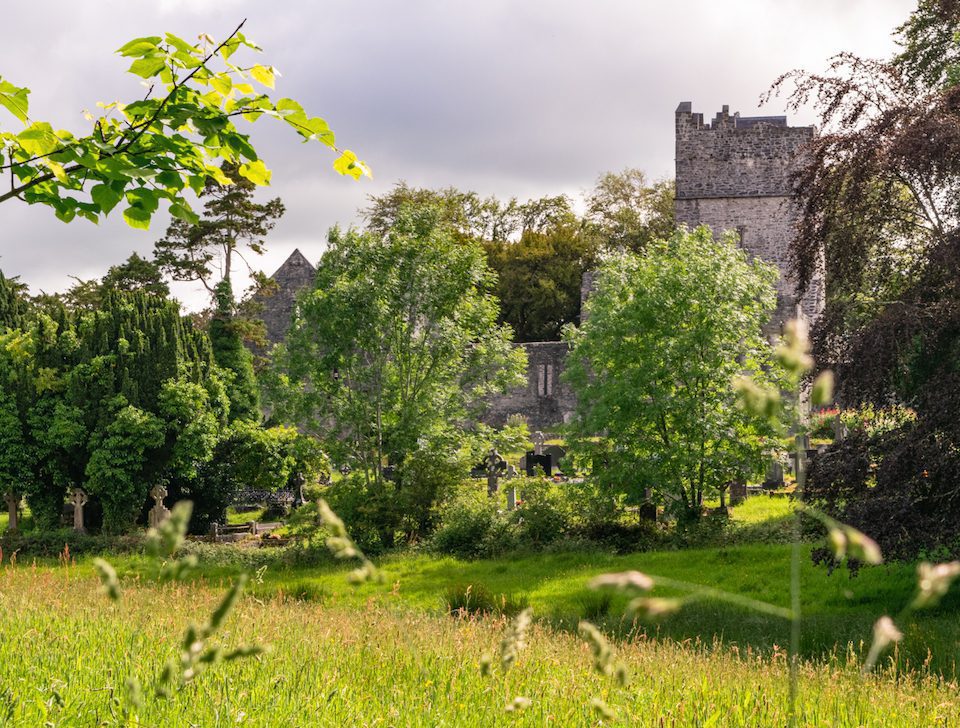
664	452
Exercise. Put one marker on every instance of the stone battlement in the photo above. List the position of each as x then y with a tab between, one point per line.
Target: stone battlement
735	156
734	174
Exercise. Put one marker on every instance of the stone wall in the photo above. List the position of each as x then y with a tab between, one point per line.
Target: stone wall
293	276
544	401
733	174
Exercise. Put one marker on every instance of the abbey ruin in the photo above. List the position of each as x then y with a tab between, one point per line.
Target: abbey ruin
731	174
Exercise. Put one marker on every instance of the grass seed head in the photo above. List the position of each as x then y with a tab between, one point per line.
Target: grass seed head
623	581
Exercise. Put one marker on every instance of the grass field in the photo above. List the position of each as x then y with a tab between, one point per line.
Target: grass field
65	652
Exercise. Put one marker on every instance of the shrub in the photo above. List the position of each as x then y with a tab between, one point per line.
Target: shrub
546	513
473	525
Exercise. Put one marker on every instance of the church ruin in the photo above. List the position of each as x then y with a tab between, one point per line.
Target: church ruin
731	174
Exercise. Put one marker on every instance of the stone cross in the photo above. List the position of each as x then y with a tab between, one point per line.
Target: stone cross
159	513
297	481
495	464
840	430
538	440
79	499
511	489
13	503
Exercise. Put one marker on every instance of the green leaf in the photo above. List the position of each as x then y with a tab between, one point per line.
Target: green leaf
256	172
105	197
222	83
139	46
289	105
149	66
183	212
143	198
38	138
57	170
137	218
180	44
14	99
263	74
348	164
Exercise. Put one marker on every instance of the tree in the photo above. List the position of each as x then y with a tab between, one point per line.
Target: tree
653	369
157	148
232	224
392	350
627	212
539	279
136	274
880	202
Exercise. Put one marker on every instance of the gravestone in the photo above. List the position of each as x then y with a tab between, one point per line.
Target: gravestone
296	482
840	430
532	461
774	479
159	513
495	466
648	509
511	489
13	504
555	453
79	499
538	440
738	492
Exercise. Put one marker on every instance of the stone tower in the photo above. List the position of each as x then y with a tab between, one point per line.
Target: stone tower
293	276
733	174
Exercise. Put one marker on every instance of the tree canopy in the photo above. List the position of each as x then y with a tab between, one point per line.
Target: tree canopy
155	149
653	367
394	349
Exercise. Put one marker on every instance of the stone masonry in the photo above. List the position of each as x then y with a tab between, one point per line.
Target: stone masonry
733	174
293	276
545	401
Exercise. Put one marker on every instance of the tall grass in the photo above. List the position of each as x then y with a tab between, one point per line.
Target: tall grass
65	652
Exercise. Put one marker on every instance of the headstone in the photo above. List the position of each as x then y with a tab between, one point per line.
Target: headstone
345	469
159	513
495	466
511	498
738	492
296	481
522	463
538	439
648	509
79	499
511	472
840	430
13	504
555	453
532	461
774	478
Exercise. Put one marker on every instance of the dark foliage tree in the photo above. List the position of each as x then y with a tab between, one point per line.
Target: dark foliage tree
880	201
136	274
539	279
232	226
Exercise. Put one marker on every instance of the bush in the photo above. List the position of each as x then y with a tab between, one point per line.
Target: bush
546	512
473	525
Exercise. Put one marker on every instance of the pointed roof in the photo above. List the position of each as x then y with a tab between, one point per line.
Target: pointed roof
295	260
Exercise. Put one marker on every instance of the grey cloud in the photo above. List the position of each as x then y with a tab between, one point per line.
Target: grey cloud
509	98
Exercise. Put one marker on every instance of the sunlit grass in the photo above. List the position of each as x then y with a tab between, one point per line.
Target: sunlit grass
65	651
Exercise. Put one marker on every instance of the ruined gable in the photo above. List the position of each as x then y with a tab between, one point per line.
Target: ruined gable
293	276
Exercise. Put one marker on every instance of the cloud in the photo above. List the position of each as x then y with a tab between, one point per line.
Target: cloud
502	97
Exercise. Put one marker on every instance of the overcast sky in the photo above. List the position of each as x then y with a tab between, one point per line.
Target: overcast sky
524	98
